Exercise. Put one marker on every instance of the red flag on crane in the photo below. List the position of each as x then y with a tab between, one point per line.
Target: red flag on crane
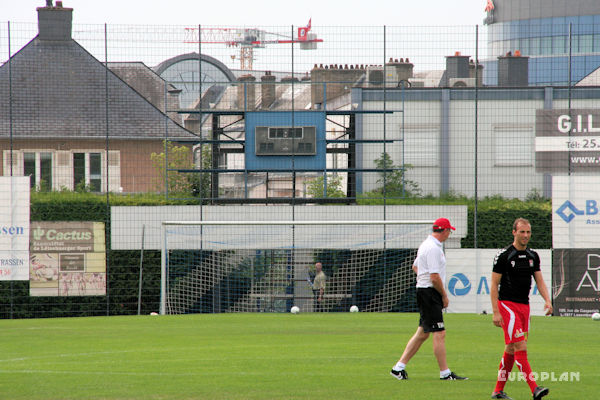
489	6
303	32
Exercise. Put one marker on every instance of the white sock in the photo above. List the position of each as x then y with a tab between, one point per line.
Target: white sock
399	366
445	373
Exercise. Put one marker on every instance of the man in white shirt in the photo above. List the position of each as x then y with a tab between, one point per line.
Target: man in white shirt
430	267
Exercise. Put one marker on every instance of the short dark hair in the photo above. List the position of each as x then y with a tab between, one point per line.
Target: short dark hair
520	221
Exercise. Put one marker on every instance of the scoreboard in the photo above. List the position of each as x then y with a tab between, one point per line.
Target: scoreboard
285	140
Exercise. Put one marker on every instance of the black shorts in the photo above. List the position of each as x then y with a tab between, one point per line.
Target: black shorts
430	305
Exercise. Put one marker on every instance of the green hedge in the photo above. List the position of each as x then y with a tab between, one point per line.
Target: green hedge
122	266
495	217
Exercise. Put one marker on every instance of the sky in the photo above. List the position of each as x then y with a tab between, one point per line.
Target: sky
143	30
270	12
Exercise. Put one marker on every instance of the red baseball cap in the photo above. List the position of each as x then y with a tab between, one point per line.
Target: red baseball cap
443	223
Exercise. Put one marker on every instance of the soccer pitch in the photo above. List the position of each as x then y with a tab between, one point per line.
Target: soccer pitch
280	356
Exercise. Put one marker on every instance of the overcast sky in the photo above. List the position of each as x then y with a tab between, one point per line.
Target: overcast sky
260	13
148	30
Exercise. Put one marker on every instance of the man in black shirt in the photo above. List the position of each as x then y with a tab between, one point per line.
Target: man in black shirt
511	283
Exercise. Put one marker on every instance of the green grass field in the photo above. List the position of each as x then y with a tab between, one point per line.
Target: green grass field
278	356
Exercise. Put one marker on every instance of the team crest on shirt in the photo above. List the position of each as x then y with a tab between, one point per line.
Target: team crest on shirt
531	263
519	333
512	264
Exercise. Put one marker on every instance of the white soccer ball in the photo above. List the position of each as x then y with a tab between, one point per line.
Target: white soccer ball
354	309
295	310
153	313
596	316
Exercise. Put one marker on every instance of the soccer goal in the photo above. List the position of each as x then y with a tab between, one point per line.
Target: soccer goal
268	266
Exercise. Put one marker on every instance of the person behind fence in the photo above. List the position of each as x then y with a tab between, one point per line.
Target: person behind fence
430	267
509	292
318	286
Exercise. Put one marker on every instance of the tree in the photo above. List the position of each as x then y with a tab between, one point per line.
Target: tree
181	183
201	182
393	180
316	187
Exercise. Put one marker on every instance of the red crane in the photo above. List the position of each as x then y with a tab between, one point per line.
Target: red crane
247	39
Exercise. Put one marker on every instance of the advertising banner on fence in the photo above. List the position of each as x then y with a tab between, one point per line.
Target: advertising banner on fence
67	259
576	274
14	228
575	212
468	279
567	141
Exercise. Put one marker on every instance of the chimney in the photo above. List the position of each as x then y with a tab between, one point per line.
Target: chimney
54	22
476	70
289	79
335	80
457	66
317	74
403	71
267	89
246	92
513	70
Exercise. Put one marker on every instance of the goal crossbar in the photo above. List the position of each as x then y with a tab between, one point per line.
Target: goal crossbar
343	222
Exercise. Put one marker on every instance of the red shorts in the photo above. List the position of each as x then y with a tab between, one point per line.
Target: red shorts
515	320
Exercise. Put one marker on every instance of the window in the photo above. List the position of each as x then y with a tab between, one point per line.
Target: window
422	146
29	168
95	172
45	182
78	169
87	170
596	43
39	167
546	46
560	45
585	44
534	46
66	169
524	46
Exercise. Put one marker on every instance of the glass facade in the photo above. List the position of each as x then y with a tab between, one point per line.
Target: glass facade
548	44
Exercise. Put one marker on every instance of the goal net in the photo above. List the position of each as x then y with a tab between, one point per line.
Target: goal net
235	266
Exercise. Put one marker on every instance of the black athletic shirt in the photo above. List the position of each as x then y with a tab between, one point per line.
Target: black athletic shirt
517	268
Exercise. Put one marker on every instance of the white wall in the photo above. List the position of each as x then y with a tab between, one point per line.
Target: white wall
505	148
127	222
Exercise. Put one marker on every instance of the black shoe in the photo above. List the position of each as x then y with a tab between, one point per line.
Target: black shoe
400	375
500	395
453	377
540	392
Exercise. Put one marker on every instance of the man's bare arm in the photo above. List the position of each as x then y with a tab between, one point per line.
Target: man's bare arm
438	285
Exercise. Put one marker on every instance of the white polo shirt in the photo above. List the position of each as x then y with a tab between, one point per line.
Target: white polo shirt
430	260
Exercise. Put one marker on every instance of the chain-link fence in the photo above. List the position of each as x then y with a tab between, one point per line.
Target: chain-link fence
208	115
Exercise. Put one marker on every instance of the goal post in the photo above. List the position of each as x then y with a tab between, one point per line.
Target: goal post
268	266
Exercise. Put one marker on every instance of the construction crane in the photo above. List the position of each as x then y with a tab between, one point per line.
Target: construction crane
248	39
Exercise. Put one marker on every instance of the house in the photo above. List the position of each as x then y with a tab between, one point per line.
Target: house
66	119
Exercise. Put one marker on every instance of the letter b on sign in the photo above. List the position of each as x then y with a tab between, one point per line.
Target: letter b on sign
591	207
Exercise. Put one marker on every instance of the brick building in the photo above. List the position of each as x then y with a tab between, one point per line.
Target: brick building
65	119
